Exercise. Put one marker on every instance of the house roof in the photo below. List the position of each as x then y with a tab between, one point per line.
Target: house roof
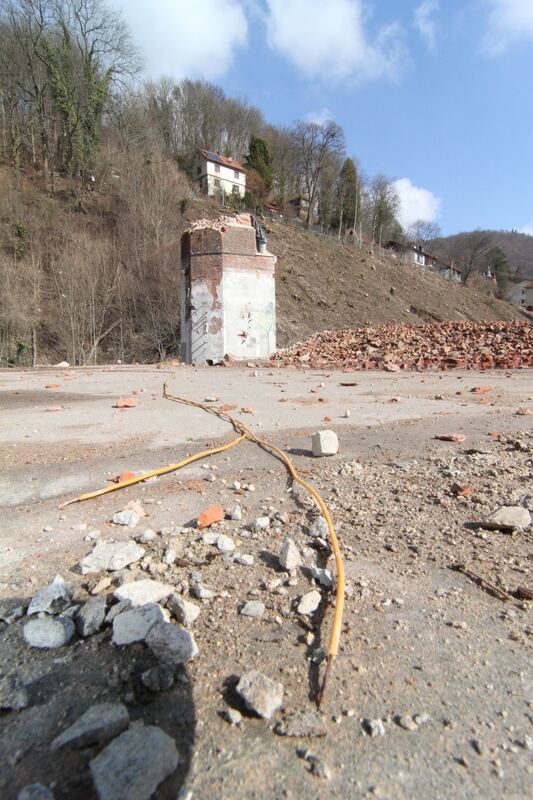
218	159
418	249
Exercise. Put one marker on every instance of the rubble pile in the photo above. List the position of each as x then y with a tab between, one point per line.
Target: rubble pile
444	345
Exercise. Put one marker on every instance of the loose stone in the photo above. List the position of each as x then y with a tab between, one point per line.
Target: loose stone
253	608
171	644
260	693
324	443
135	624
185	612
139	593
90	617
111	556
97	725
289	557
127	518
48	633
134	764
309	602
52	599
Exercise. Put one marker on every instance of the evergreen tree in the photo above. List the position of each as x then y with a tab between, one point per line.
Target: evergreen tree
348	206
260	159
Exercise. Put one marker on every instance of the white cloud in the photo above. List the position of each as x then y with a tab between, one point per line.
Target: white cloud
424	21
185	39
508	21
320	117
527	229
327	40
416	203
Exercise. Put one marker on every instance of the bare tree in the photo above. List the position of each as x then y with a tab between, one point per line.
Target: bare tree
423	232
381	205
314	147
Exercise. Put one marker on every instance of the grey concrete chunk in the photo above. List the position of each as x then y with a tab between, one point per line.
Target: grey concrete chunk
245	559
171	644
253	608
184	611
325	443
52	599
90	617
508	518
98	724
111	556
35	791
134	764
261	695
139	593
135	624
13	694
48	633
128	518
289	557
319	528
309	602
225	543
323	576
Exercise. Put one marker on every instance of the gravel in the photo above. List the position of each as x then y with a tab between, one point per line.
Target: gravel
111	556
52	599
90	617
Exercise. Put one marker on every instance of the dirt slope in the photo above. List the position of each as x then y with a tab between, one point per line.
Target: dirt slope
324	284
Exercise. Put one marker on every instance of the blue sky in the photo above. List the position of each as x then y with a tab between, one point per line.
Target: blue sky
436	94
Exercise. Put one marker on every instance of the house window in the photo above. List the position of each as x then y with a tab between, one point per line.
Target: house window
198	170
217	167
217	183
236	174
419	258
235	189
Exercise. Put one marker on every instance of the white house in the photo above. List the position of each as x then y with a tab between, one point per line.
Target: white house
522	295
216	174
414	254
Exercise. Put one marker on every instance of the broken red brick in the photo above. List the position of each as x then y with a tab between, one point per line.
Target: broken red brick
52	386
126	402
486	387
450	437
228	407
248	410
125	475
209	516
460	491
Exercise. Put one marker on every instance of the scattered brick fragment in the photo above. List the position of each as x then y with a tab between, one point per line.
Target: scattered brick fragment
126	402
461	491
209	516
483	389
450	437
524	412
248	410
228	407
52	386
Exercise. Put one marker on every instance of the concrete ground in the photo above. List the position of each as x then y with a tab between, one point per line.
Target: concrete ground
405	648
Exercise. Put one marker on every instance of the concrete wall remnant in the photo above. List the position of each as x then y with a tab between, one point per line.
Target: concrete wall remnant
228	301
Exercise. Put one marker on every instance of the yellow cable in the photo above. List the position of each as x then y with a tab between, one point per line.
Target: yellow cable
153	473
246	433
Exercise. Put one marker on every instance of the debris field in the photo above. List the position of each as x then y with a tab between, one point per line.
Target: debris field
442	346
178	652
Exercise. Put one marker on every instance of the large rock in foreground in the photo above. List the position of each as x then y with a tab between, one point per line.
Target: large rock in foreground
134	764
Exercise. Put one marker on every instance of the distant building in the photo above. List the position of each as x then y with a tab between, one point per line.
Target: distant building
217	174
415	254
522	295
